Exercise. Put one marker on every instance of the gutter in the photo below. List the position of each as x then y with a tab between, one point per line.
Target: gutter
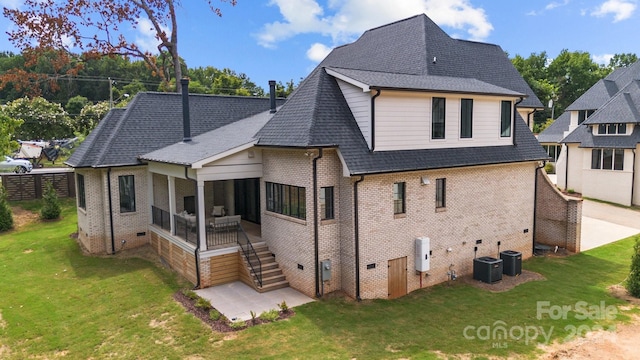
316	246
196	253
113	241
357	235
373	119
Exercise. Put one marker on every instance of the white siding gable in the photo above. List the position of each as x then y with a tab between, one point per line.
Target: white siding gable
360	104
403	121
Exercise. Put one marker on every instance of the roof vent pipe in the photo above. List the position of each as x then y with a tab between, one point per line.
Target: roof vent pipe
272	95
186	121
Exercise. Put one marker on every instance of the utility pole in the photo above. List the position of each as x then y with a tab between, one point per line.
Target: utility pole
110	93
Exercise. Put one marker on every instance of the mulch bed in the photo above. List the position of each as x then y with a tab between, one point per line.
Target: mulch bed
222	324
507	283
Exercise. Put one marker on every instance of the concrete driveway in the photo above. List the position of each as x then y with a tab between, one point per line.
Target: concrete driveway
604	223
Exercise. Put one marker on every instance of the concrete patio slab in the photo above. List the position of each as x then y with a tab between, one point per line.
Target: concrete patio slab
236	300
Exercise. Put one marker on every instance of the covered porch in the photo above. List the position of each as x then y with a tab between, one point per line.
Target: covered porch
228	210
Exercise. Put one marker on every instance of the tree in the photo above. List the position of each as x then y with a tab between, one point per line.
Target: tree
8	128
90	116
42	119
622	60
573	73
93	27
6	216
51	204
633	281
75	105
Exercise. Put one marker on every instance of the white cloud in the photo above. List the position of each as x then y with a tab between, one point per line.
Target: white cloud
555	4
344	20
603	59
317	52
621	9
146	37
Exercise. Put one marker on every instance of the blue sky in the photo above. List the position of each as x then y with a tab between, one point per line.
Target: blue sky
285	39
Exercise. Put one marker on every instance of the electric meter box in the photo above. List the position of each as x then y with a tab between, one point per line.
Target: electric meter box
325	270
423	254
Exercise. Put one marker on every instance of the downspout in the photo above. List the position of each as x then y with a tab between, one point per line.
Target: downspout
357	235
373	119
196	253
515	111
535	205
113	237
566	172
316	245
633	175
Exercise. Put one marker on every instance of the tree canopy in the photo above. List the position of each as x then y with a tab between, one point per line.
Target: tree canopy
93	28
564	78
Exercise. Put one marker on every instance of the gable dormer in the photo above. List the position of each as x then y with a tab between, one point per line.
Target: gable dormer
409	112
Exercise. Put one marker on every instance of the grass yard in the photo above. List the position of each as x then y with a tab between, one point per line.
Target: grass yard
57	303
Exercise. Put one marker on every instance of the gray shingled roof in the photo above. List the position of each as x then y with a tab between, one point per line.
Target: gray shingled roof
211	143
621	108
410	46
583	136
386	80
617	100
153	121
555	132
600	93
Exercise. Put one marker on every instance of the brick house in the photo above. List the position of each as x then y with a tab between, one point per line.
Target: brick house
404	134
600	138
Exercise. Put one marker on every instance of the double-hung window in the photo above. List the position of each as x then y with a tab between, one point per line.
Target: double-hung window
326	203
127	189
466	118
437	118
441	193
505	118
82	199
399	198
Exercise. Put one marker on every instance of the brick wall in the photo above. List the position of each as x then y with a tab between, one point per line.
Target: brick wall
558	217
488	203
94	229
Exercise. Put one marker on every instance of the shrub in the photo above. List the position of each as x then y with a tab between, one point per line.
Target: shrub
214	315
549	168
238	324
571	191
190	294
271	315
633	282
283	306
203	304
51	208
6	216
253	316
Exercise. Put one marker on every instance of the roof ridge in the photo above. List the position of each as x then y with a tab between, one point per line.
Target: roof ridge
395	22
103	152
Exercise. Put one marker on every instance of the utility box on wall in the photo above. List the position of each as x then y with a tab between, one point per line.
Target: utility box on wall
423	254
325	270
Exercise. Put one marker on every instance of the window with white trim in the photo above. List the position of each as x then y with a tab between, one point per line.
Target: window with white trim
607	159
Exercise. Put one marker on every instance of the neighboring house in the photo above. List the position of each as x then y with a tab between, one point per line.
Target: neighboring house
602	138
404	134
551	136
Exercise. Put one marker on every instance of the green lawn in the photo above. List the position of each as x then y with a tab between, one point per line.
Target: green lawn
55	302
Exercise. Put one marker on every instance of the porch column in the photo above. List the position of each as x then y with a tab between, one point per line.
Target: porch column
201	216
229	197
172	201
150	194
